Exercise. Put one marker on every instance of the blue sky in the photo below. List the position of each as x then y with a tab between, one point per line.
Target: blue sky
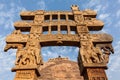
108	11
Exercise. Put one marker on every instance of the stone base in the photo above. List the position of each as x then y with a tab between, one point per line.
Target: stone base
92	65
94	74
93	71
26	73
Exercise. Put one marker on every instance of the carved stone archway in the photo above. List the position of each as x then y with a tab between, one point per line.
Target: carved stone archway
94	48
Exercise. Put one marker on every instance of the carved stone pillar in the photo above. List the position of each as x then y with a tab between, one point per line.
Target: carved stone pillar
50	17
49	29
82	29
59	29
28	59
91	63
66	17
94	74
26	73
39	17
36	29
59	17
68	29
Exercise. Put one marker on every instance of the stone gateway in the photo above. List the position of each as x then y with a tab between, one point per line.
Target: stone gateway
45	28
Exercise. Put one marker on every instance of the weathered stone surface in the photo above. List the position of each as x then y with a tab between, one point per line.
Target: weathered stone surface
60	69
95	74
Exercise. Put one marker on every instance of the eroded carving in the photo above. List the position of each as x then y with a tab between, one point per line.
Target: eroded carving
79	18
29	56
107	51
90	54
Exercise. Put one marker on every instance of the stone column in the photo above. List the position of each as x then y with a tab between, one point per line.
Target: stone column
68	29
36	29
89	63
59	29
94	74
26	73
30	60
29	57
50	17
58	17
49	29
66	17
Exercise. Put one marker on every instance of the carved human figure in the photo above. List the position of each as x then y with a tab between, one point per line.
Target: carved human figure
25	57
22	57
85	54
37	55
93	54
100	54
19	56
107	51
90	54
84	36
79	18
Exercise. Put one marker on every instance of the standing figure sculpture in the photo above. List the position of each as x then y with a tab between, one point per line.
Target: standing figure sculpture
107	51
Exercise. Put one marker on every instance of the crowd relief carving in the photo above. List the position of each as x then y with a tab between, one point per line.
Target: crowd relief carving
88	53
28	57
91	54
30	54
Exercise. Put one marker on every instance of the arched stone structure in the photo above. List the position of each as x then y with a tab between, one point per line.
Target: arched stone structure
44	28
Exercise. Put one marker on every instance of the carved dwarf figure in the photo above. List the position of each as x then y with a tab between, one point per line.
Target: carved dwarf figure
100	54
107	51
16	32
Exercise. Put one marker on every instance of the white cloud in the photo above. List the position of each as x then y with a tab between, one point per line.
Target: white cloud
103	16
100	7
97	5
6	59
42	4
93	3
115	61
2	43
8	14
64	51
